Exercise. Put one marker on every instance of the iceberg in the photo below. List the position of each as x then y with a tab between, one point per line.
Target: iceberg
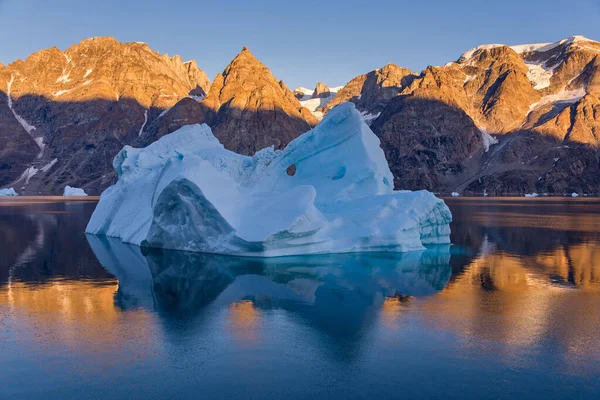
73	191
329	191
8	192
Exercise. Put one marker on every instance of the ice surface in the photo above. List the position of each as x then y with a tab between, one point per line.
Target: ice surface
72	191
8	192
531	194
329	191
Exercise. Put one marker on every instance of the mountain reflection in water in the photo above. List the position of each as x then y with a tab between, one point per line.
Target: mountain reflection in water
511	308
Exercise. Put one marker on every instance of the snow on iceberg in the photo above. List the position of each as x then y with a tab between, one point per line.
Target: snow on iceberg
8	192
73	191
329	191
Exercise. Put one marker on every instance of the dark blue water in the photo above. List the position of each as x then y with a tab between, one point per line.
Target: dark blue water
510	310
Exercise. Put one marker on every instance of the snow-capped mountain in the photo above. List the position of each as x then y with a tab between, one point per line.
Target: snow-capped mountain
500	119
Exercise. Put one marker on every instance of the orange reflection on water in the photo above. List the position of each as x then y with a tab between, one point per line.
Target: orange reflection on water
244	320
78	316
392	310
522	301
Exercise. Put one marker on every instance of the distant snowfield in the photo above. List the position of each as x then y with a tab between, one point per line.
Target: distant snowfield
314	105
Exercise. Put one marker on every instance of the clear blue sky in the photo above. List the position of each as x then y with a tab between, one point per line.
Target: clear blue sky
301	41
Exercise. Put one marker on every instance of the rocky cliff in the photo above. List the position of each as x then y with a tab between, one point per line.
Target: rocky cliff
65	114
499	120
247	108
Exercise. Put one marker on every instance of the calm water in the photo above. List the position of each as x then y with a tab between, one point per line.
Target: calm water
510	310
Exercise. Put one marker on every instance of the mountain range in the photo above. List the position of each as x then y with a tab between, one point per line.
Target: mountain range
500	120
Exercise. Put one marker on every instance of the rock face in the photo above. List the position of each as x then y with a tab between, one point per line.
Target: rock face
539	102
371	92
247	108
321	91
65	114
500	120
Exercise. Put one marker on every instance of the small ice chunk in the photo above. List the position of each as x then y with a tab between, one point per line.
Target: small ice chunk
73	191
8	192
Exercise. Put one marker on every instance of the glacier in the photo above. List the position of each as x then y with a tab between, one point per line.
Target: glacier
328	191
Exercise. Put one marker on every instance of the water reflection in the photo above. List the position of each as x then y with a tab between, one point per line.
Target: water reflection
338	294
518	292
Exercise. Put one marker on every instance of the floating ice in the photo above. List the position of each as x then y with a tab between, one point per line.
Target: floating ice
8	192
72	191
329	191
455	194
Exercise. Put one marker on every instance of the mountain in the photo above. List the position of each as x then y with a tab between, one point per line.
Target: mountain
247	108
500	120
315	100
64	115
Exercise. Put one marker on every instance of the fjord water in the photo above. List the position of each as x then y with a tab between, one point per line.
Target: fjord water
511	309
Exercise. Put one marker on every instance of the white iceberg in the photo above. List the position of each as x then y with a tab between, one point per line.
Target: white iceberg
73	191
329	191
8	192
574	194
531	194
455	194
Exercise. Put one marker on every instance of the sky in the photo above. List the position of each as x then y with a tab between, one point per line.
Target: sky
302	42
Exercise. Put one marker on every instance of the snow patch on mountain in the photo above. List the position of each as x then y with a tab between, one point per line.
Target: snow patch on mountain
47	167
488	140
144	124
39	141
28	174
64	78
470	53
60	92
564	96
540	74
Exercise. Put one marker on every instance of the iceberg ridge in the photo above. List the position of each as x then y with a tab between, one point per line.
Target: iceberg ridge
329	191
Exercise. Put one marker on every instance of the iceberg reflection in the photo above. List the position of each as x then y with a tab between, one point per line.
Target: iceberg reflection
337	292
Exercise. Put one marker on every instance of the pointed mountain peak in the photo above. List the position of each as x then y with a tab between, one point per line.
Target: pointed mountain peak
245	48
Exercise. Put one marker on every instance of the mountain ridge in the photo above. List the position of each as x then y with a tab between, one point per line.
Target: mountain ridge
499	120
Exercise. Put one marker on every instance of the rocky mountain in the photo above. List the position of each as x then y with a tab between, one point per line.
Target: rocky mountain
64	115
499	120
247	108
321	91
